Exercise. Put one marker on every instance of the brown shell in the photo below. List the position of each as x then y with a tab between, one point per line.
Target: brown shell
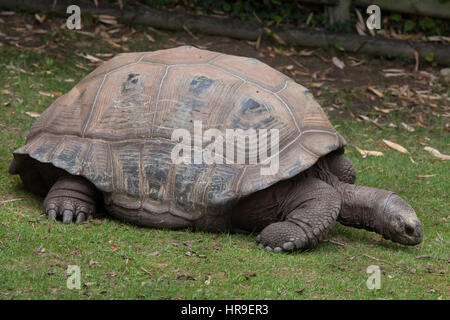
115	127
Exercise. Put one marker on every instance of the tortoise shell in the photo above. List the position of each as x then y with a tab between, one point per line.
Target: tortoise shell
115	127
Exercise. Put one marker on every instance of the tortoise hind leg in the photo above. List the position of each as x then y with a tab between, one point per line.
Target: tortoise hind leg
71	198
310	211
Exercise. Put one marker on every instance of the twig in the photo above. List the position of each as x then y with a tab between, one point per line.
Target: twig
10	200
190	33
298	63
384	261
427	256
335	242
146	271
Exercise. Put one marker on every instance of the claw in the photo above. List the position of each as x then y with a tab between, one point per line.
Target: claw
67	216
81	214
51	215
288	246
80	217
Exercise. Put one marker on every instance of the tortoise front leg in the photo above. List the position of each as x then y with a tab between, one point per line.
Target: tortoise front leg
71	198
341	167
310	211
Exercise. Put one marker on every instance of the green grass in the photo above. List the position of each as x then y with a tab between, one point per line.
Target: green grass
122	261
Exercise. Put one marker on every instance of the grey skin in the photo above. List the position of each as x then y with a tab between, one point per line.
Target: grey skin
294	214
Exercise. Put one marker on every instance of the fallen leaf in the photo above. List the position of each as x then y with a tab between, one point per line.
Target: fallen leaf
416	58
275	36
33	114
89	57
425	175
376	92
366	153
149	37
407	127
147	283
113	247
306	53
39	18
338	63
384	110
92	262
437	153
395	146
107	19
43	93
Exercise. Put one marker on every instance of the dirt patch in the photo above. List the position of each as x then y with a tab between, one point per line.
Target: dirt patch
380	89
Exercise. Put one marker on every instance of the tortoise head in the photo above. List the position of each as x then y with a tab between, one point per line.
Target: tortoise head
400	222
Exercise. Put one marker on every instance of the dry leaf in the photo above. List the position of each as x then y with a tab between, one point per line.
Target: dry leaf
376	92
106	19
383	109
416	57
89	57
338	63
275	36
366	153
425	175
33	114
39	18
395	146
437	153
43	93
306	53
407	127
149	37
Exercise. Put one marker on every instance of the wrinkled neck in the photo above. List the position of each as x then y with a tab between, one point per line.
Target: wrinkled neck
362	207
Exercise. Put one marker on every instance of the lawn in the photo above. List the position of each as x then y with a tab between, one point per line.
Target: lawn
121	261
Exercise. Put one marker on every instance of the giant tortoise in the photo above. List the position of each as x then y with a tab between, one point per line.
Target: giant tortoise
109	142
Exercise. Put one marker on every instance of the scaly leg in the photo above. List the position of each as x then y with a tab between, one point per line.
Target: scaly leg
310	211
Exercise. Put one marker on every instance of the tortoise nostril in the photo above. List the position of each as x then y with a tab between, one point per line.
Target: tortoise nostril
409	230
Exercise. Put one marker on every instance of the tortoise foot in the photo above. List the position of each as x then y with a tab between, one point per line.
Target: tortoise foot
69	210
71	199
282	237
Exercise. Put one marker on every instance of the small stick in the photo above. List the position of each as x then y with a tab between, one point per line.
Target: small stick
298	64
384	261
427	256
335	242
10	200
146	271
190	33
